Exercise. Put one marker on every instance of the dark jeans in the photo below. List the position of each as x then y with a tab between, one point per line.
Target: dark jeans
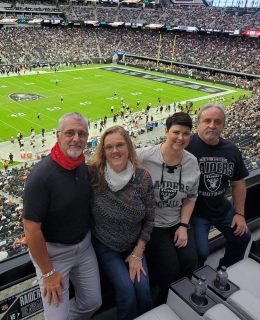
235	245
167	263
132	299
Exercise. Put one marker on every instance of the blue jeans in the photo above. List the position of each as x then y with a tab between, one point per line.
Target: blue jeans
235	245
132	299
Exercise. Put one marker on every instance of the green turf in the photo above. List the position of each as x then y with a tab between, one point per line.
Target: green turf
89	91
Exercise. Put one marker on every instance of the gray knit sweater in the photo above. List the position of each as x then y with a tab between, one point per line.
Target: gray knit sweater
120	219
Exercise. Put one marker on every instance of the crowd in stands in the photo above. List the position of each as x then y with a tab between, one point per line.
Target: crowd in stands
246	133
196	73
79	13
195	16
12	181
31	10
47	44
71	44
215	18
30	5
12	240
235	54
129	15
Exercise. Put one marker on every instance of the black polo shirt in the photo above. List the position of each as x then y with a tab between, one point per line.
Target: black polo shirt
60	199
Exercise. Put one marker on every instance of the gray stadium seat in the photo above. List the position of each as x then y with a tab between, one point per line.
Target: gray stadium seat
163	312
218	312
246	304
246	274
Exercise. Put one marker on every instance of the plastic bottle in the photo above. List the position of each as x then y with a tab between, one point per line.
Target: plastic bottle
199	295
222	279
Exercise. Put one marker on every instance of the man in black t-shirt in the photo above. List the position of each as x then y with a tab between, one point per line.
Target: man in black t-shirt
56	214
221	167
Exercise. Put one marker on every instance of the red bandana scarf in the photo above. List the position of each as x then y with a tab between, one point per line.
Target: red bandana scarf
65	161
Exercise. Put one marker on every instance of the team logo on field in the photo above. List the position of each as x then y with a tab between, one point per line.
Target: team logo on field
166	194
212	181
18	97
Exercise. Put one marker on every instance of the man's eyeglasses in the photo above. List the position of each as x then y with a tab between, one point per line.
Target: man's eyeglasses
118	146
71	133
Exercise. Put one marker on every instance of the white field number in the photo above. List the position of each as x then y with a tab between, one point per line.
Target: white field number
53	108
19	114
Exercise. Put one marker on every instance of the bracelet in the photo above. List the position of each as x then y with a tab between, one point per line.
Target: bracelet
240	214
136	257
48	274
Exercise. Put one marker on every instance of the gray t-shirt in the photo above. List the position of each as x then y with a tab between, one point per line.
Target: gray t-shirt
168	191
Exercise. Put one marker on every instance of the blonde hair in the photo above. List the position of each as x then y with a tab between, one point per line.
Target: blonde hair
98	162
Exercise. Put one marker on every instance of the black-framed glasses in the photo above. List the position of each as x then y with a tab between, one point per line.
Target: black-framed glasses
71	133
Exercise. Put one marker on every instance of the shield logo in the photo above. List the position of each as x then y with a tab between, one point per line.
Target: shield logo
167	194
23	96
212	181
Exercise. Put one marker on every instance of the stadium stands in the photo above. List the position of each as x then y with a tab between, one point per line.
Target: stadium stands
61	44
66	44
196	16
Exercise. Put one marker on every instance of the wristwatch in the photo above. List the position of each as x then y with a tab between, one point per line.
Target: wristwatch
185	225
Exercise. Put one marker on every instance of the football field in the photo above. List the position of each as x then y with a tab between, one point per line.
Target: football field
38	99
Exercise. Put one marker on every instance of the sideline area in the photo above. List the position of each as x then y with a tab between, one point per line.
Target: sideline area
30	154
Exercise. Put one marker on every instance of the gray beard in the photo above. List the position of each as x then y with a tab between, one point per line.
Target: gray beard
74	154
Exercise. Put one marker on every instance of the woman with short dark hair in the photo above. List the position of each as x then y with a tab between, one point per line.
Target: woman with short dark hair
171	252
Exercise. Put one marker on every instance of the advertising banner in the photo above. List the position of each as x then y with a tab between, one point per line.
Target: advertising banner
23	305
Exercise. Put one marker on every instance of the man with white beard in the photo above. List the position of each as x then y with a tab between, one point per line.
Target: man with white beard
57	205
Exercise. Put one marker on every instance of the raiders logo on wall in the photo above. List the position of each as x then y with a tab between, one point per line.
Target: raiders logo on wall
17	97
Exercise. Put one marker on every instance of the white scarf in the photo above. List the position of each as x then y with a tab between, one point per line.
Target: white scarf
117	181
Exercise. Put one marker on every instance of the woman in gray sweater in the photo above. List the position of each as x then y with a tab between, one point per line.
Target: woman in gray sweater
123	214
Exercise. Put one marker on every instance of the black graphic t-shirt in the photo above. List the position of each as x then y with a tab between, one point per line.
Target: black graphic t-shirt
219	164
